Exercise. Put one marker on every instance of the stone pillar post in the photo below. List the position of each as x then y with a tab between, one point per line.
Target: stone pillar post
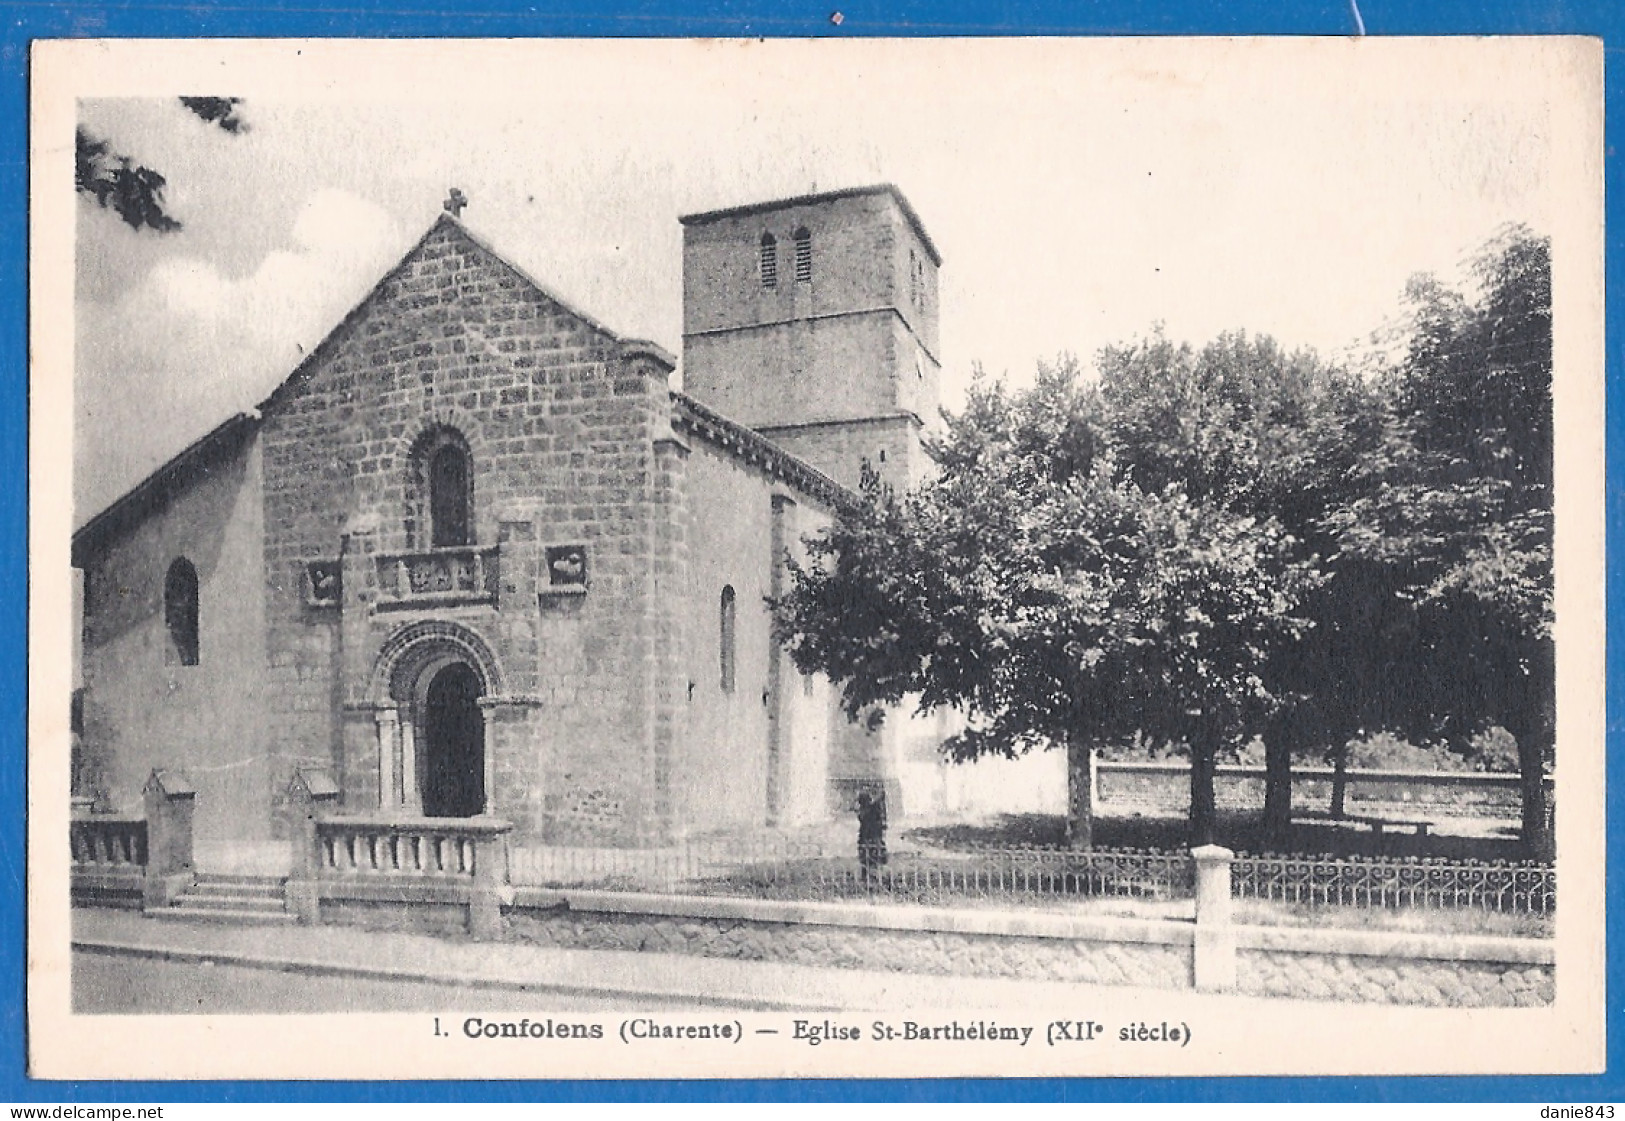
488	754
491	888
1214	960
311	792
390	787
411	791
358	770
169	798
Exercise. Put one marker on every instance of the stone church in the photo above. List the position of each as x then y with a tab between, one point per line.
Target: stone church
476	556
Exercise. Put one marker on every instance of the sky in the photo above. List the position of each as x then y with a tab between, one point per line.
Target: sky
1080	192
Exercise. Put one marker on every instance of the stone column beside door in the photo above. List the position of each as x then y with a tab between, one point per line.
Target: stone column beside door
389	758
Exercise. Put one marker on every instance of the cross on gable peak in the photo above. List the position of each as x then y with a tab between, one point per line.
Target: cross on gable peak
455	202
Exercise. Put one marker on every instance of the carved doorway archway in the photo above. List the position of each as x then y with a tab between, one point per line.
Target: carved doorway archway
434	681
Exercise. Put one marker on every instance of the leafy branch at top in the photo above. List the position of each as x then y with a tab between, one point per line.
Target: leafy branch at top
130	189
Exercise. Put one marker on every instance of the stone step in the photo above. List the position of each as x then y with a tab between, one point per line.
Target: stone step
183	913
245	891
225	902
223	879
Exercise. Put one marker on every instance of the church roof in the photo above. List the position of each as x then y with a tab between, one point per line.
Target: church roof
897	196
164	484
752	447
447	220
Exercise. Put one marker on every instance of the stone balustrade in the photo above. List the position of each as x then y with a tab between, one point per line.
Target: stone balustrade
392	846
108	842
438	576
405	860
135	860
109	854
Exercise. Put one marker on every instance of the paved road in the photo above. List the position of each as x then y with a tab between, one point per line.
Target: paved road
120	983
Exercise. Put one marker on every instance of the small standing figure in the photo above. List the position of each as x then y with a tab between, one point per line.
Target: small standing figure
871	835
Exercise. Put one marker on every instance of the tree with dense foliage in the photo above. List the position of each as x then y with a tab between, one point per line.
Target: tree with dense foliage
1461	527
131	190
1038	588
1210	546
1273	435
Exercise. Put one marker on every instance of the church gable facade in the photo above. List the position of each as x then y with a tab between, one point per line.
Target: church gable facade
474	557
478	463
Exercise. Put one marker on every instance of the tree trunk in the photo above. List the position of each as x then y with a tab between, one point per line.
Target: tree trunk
1080	792
1536	832
1282	741
1340	779
1204	748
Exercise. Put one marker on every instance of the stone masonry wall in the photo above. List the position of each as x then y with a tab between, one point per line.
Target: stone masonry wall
1385	980
561	425
889	445
913	951
142	709
1288	963
728	769
1169	793
1399	978
721	771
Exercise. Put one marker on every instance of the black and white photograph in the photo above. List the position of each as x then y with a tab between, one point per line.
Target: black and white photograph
837	558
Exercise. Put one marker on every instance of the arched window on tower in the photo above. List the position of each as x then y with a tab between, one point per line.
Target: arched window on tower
440	507
803	256
725	639
770	262
181	613
449	494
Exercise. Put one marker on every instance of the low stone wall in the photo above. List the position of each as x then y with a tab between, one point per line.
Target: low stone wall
125	893
417	917
1383	980
1161	960
1462	971
1299	963
1164	788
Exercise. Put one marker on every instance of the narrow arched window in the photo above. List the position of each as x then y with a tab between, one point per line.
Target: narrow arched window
440	499
770	262
181	613
725	639
803	256
449	495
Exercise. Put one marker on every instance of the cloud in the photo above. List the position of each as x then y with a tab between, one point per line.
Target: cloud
188	344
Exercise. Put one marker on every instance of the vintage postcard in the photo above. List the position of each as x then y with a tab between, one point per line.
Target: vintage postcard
888	558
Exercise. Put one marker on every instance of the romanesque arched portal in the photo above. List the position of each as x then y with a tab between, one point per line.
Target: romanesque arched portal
434	749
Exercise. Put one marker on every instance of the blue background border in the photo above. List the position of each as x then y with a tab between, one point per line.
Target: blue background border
22	22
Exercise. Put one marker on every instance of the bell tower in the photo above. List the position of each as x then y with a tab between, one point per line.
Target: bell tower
813	320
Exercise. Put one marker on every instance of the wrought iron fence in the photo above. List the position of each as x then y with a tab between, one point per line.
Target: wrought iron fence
782	868
812	870
1308	881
